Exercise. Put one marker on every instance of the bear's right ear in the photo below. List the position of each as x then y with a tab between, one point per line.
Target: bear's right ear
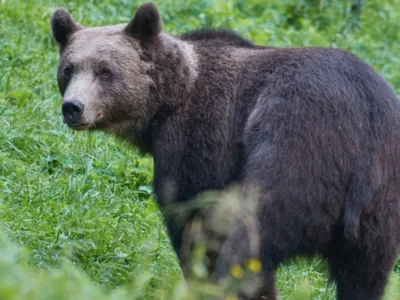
63	26
146	25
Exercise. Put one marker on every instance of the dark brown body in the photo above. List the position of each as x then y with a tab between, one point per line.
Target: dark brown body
318	131
315	131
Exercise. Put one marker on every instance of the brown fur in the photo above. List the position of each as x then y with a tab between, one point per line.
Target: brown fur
314	131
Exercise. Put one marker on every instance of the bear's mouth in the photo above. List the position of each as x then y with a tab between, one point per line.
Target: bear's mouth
79	127
98	125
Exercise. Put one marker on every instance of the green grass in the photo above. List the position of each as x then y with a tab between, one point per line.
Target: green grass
78	217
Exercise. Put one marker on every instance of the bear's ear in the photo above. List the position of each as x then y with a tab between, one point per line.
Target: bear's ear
146	25
63	26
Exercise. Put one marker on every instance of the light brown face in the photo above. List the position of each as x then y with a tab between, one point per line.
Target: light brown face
102	79
102	76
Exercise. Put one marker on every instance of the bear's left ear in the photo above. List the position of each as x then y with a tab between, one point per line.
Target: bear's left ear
63	26
146	25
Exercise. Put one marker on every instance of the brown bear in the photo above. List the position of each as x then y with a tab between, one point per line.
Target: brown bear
312	133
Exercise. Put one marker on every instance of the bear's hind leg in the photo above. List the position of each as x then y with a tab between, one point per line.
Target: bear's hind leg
361	274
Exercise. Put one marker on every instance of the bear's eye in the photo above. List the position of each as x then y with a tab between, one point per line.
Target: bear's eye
104	73
67	71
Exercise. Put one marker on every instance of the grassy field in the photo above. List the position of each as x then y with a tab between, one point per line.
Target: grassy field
78	219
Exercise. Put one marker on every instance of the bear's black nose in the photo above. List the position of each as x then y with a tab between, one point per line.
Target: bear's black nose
72	111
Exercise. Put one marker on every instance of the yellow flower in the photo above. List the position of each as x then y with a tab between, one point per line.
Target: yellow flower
237	271
254	265
232	297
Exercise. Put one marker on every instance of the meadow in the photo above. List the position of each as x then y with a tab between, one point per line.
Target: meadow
78	218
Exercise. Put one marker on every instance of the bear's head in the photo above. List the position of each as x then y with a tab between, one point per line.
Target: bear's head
112	77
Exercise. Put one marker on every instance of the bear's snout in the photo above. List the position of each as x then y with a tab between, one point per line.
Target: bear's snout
72	111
